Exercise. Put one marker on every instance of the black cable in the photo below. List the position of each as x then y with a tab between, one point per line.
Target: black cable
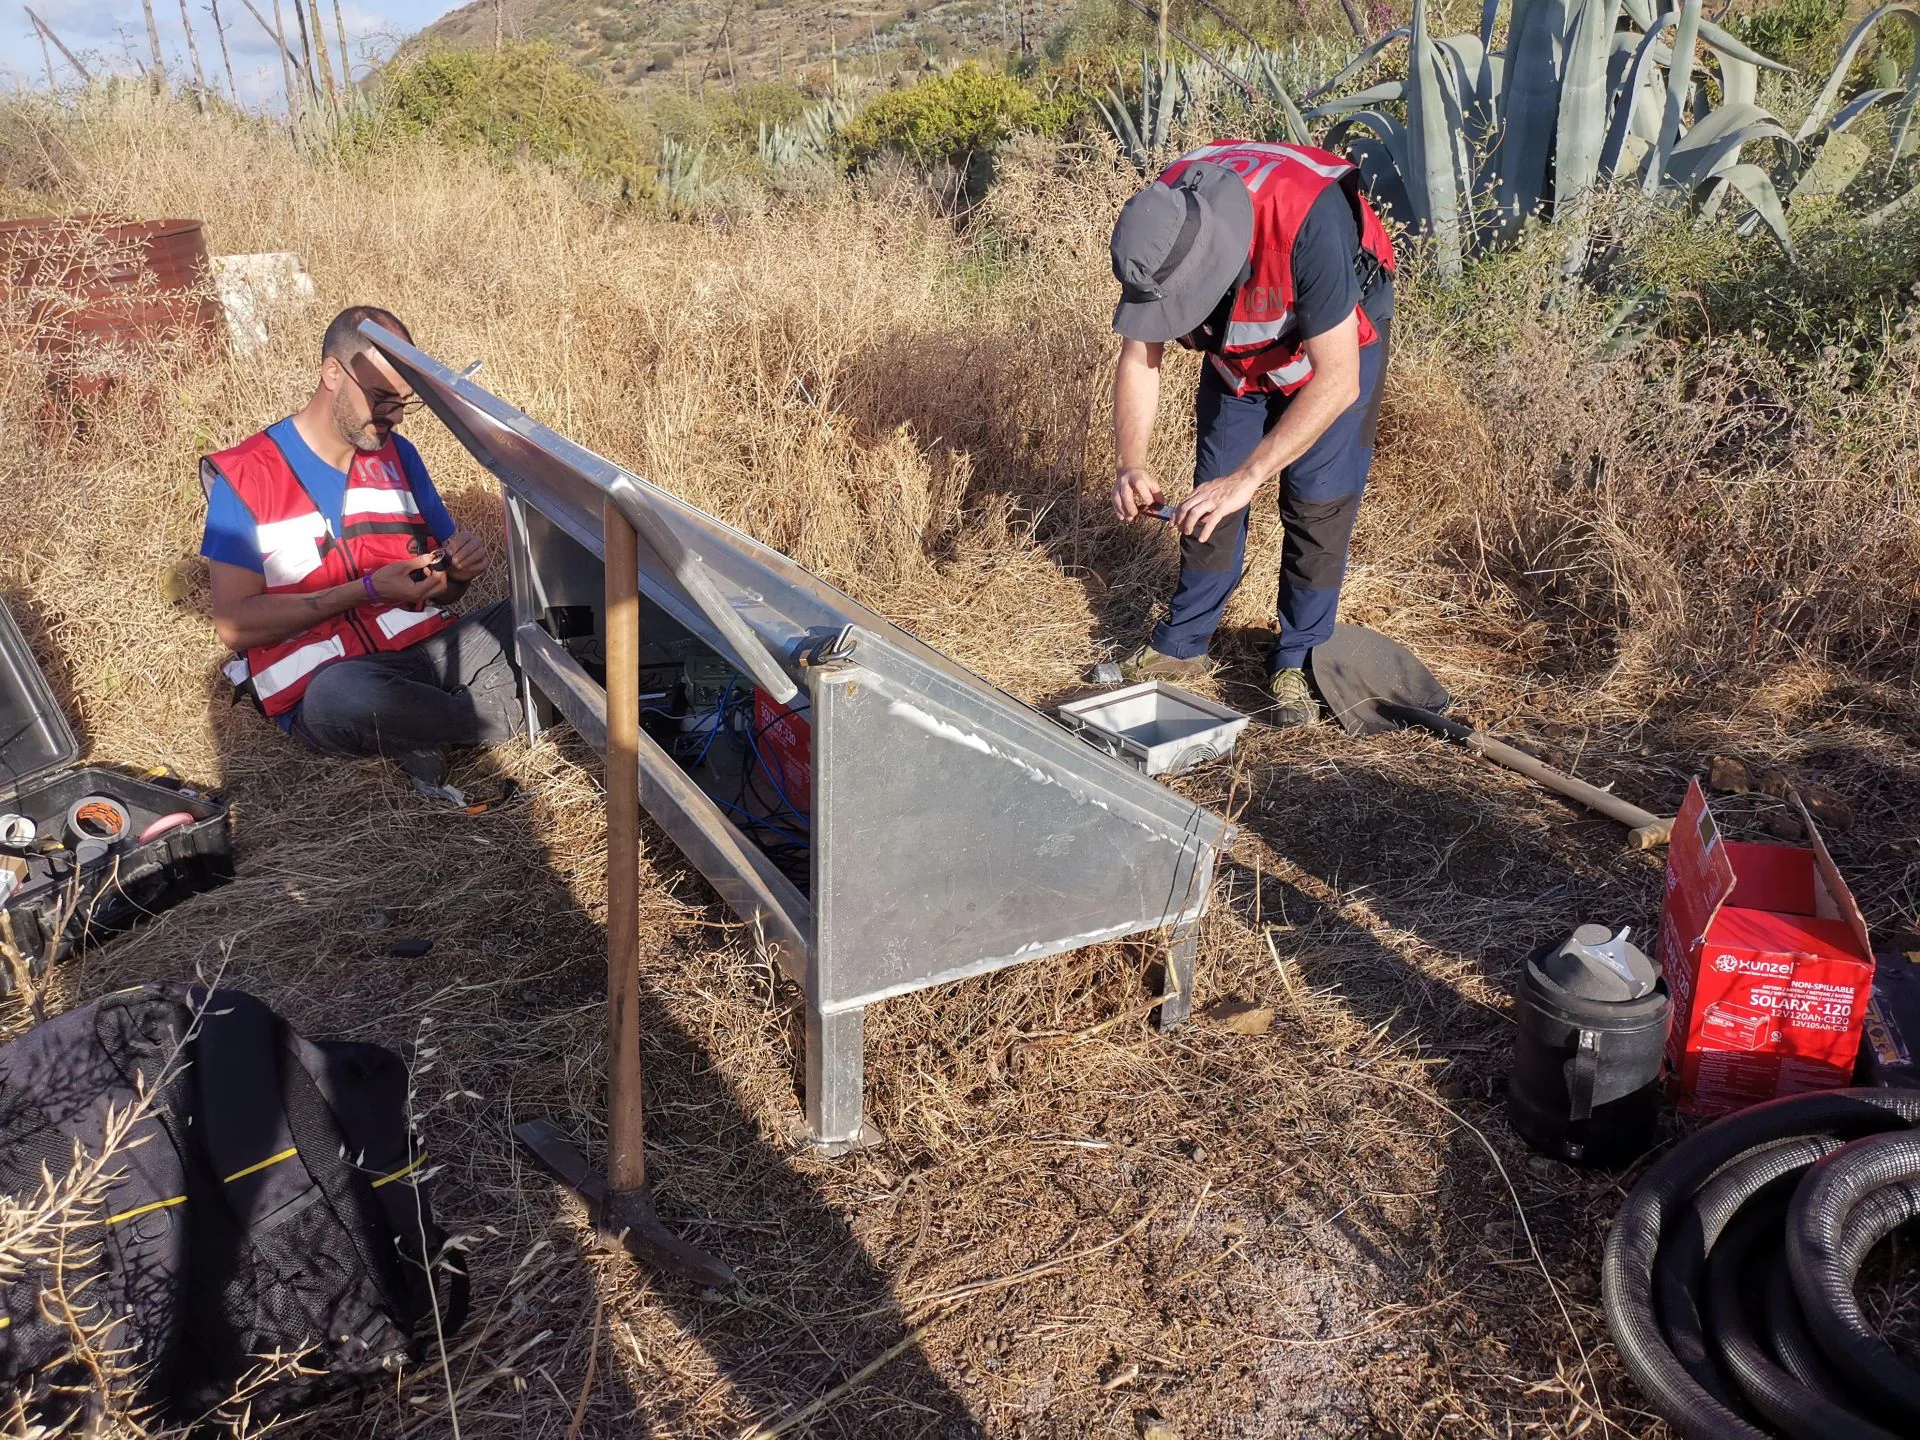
1721	1342
1847	1203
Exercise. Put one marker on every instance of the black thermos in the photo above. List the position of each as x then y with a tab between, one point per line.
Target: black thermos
1592	1026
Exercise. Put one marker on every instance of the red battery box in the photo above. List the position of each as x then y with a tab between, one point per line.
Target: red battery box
783	738
1768	962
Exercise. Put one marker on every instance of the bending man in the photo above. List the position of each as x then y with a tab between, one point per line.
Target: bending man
333	561
1267	259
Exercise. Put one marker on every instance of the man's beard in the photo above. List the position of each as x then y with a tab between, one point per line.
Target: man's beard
366	437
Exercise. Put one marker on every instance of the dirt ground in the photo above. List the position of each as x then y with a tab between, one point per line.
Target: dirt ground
1077	1226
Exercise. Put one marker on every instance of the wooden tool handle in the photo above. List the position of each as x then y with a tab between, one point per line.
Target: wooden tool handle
1645	828
626	1103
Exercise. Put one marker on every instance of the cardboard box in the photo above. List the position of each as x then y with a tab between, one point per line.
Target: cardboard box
784	740
1768	962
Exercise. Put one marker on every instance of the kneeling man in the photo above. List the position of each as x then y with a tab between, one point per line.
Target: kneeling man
333	561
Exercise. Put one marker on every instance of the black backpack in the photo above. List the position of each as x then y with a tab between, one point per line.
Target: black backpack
267	1202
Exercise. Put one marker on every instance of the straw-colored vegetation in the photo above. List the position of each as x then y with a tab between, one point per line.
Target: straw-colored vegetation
1629	553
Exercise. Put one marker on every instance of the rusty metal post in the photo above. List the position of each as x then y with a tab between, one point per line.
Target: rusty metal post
626	1107
620	1202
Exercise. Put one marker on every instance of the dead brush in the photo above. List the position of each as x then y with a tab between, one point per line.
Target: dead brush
1075	1223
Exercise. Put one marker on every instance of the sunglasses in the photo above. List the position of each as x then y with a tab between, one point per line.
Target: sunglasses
384	402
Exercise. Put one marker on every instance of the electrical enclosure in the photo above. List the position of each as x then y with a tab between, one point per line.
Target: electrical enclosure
951	829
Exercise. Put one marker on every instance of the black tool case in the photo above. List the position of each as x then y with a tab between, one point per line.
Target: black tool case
62	904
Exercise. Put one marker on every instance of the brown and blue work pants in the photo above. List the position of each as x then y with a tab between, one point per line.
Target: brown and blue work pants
1319	500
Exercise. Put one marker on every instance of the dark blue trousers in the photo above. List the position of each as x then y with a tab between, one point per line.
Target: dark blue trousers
1319	500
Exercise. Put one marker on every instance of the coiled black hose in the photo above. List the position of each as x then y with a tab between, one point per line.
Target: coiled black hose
1729	1273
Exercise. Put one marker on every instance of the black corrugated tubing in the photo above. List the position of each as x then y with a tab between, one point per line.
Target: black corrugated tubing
1729	1274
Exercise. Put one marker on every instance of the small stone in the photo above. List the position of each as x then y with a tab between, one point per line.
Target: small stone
1540	1165
1785	825
1829	811
1158	1430
179	581
1238	1017
1728	776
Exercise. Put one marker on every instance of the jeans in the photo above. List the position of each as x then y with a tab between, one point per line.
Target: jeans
1319	501
459	687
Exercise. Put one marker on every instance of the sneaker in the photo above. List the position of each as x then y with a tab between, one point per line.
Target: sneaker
1147	663
448	794
427	769
1293	702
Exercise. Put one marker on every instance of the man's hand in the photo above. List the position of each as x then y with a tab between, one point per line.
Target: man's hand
1212	502
1135	489
1136	396
396	585
467	557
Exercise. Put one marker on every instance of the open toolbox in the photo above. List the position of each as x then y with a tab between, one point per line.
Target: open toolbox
73	894
1155	727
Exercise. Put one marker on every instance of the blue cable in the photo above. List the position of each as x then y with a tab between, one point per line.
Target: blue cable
766	824
719	724
753	743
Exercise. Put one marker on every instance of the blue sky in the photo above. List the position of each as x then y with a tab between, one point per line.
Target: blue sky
108	35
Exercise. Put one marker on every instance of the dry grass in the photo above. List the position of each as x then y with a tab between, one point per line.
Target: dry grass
1076	1225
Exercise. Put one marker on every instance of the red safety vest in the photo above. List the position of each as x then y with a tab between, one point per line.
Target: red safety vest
1284	181
379	524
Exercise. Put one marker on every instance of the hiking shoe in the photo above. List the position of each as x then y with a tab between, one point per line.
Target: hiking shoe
1147	663
1293	702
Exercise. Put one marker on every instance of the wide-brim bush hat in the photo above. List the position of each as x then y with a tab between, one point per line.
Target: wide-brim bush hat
1177	249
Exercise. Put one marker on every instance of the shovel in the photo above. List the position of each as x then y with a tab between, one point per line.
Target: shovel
620	1202
1371	684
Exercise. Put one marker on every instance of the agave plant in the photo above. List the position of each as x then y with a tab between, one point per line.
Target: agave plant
808	141
1164	97
1833	164
1171	94
681	177
1575	101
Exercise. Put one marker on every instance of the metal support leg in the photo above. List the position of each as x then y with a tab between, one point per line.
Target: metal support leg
1176	994
836	1079
526	611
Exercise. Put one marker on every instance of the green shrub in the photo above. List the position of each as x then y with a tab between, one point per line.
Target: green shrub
518	100
946	118
663	57
1804	33
1852	285
739	116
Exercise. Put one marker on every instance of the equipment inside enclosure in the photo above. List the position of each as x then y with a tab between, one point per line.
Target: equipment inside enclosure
881	819
87	852
1157	728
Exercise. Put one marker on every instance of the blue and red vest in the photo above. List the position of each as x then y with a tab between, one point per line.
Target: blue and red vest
1284	181
380	522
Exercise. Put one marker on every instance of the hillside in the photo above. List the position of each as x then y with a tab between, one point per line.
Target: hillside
682	42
